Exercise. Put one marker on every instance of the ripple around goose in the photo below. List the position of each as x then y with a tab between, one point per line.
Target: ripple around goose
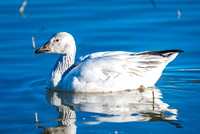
103	71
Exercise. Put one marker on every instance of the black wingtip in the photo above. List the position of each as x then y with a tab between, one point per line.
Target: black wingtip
160	52
174	50
168	51
180	51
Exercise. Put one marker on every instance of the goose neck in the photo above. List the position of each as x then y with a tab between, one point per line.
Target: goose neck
64	62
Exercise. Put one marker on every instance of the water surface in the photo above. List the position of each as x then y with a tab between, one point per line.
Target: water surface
126	25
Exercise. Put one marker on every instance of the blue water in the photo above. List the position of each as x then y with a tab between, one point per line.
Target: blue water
128	25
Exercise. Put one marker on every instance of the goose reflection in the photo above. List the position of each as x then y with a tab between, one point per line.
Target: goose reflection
66	120
123	106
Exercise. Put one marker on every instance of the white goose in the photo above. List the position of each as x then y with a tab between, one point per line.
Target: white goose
103	71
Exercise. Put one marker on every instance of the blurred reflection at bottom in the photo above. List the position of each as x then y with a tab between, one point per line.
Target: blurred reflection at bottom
123	106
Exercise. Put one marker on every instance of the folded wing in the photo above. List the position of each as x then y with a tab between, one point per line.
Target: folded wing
118	69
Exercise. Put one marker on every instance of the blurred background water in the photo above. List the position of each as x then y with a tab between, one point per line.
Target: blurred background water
126	25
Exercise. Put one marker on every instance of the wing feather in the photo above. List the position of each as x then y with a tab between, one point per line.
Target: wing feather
108	68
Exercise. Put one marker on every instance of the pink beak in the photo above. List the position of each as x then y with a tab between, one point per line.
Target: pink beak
44	48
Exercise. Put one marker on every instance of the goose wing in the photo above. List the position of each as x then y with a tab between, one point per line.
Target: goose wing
111	68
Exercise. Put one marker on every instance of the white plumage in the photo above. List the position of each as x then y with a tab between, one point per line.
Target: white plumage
103	71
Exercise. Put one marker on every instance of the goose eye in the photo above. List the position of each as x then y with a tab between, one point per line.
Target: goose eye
57	40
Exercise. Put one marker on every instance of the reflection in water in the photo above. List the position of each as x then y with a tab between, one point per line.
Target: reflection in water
123	106
66	120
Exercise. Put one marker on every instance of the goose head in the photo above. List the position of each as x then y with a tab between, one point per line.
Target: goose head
61	43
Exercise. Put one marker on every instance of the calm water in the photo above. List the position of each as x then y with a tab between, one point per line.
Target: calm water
129	25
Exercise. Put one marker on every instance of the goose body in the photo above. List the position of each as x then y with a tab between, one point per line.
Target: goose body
103	71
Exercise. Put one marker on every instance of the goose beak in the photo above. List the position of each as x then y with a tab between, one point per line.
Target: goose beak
44	49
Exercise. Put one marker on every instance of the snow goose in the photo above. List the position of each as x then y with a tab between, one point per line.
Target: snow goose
103	71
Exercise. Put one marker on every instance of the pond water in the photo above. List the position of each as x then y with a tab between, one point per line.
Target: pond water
126	25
